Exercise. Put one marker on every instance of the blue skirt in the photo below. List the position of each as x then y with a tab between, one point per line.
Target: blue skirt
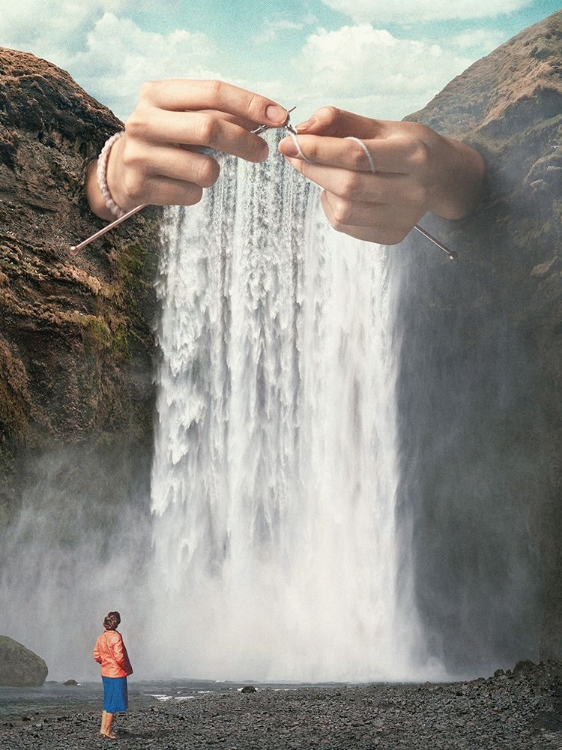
115	697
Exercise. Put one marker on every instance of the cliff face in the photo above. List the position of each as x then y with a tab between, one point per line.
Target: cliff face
480	374
480	371
76	333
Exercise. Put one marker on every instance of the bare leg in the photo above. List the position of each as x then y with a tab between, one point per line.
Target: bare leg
108	723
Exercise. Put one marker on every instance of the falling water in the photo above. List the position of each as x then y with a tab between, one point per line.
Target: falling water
275	470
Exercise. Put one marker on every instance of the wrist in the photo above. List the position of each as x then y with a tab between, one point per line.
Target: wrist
100	196
102	174
461	183
94	196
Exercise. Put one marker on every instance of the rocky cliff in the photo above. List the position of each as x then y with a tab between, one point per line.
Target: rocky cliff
481	365
479	380
76	332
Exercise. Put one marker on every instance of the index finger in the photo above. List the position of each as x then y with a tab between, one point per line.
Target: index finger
387	155
179	95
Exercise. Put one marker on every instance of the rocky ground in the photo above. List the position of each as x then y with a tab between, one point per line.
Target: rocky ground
518	709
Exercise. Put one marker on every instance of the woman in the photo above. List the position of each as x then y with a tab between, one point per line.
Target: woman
378	177
111	653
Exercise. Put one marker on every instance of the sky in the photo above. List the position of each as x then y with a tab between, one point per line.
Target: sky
380	58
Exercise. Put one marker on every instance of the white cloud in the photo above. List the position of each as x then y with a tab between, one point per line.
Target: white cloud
481	40
52	29
369	71
271	30
357	67
119	57
414	11
109	56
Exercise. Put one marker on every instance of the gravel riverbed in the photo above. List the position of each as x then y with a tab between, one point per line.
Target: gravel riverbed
517	709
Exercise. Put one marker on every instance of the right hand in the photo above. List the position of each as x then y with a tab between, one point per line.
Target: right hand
417	170
158	160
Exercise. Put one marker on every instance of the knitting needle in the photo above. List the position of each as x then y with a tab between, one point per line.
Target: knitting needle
75	249
451	253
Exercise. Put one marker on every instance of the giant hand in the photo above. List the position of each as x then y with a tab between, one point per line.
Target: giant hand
415	171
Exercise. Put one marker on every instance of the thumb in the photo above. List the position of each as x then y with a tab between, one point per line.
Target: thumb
339	123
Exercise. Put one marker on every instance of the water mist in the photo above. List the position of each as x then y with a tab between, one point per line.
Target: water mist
275	469
340	474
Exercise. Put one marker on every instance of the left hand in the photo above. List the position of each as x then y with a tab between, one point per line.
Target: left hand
160	159
417	170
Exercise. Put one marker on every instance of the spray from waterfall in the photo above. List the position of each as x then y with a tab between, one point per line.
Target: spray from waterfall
275	468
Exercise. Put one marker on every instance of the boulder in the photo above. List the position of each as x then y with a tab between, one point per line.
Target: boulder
20	667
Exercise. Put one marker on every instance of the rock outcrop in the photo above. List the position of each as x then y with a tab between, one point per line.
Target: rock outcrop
480	386
76	343
20	667
481	371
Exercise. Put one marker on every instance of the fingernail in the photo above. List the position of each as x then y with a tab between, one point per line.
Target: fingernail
276	114
306	125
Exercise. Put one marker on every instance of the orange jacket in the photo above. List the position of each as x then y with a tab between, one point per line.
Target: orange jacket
111	653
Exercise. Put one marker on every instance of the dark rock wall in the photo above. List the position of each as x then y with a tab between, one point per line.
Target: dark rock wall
76	371
481	360
76	344
480	342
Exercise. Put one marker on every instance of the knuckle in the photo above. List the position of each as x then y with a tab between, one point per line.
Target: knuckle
133	172
148	91
131	156
337	225
342	211
357	158
421	132
327	114
419	154
349	186
207	173
257	152
215	89
206	129
203	129
135	126
133	184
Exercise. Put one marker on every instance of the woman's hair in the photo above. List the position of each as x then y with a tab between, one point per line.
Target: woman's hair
112	621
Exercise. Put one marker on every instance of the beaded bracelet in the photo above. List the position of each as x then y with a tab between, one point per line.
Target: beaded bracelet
115	209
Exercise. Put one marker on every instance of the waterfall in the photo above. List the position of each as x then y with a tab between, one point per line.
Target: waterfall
348	470
275	469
